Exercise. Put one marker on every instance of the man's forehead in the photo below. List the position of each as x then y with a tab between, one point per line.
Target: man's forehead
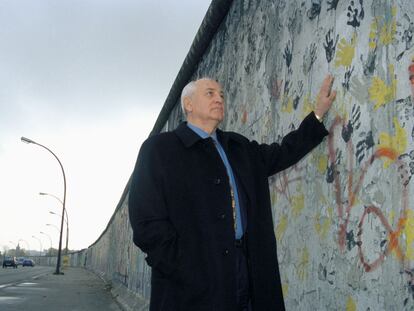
205	84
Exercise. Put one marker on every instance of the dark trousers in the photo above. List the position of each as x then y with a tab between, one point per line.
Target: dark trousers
242	275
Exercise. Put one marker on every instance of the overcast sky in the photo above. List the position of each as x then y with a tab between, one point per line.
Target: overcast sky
87	79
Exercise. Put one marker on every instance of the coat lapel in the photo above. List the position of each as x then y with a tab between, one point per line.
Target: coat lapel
187	136
233	146
239	161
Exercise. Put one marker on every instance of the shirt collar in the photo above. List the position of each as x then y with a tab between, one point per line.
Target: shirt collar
189	137
203	134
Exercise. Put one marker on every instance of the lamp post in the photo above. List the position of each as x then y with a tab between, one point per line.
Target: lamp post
40	242
66	214
67	229
50	239
29	141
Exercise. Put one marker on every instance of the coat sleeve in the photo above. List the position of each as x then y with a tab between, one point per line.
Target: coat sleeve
153	233
294	146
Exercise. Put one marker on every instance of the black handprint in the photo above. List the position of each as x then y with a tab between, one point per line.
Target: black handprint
298	94
406	36
354	123
366	143
331	171
287	55
332	4
309	58
347	77
355	16
369	64
406	172
330	45
286	87
315	9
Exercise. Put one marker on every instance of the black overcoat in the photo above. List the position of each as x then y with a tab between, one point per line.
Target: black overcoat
181	215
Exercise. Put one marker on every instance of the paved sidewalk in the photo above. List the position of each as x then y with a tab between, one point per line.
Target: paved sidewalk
77	290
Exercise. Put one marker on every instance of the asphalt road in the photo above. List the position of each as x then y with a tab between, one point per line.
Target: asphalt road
38	289
10	276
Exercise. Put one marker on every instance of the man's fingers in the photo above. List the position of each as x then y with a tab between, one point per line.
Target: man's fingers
326	96
332	96
327	85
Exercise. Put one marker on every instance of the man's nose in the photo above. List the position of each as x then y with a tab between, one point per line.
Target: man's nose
219	99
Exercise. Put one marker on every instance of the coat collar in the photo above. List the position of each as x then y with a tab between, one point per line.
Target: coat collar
189	137
186	135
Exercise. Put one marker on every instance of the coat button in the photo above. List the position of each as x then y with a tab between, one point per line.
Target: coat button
226	252
222	216
217	181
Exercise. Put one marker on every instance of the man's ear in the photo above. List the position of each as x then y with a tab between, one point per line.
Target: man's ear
188	104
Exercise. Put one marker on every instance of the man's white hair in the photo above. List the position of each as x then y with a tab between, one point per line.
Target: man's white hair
189	90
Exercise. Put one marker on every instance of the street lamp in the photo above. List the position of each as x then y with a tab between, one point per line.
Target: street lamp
29	141
67	229
50	239
66	214
40	242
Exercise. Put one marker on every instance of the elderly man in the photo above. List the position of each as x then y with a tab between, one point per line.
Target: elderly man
199	206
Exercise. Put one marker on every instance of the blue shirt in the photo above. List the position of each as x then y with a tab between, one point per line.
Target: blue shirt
233	185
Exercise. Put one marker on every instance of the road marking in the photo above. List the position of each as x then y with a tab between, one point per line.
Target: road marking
5	285
8	299
15	283
39	275
26	284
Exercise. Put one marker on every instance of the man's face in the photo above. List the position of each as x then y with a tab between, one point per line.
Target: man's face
207	102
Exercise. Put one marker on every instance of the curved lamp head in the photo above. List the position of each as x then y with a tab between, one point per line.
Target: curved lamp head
26	140
53	226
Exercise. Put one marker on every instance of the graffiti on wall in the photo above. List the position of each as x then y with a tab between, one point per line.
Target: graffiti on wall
342	216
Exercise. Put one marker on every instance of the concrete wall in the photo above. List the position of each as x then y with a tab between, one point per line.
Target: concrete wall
44	260
343	217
